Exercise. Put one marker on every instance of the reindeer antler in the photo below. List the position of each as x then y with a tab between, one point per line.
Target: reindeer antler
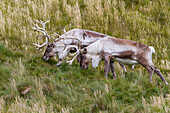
69	37
77	47
41	29
64	30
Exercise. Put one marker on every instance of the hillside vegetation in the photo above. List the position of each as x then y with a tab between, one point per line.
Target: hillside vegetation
28	84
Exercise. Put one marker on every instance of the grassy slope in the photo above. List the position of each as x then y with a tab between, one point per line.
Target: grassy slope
68	88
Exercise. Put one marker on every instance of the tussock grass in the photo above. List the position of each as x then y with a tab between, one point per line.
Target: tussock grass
28	84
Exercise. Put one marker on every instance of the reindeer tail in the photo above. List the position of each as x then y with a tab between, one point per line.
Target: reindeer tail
152	49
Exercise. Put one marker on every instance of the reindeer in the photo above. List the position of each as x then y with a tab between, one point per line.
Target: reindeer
123	51
57	46
67	43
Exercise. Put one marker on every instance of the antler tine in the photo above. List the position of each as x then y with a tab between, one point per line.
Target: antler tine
44	23
69	37
70	46
71	61
64	30
76	38
38	45
41	29
41	22
77	48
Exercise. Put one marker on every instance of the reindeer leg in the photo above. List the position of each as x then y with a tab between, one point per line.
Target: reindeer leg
151	69
112	65
107	65
150	72
109	69
59	63
144	63
157	71
124	69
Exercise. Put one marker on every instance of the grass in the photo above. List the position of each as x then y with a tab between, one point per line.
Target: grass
28	84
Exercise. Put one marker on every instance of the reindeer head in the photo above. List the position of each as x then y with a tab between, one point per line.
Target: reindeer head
53	49
58	46
84	59
90	54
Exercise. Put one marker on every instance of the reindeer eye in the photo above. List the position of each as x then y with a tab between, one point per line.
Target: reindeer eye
84	51
83	57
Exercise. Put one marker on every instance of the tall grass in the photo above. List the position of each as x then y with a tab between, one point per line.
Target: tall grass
28	84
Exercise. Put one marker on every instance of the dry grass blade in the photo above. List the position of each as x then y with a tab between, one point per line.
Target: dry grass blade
26	90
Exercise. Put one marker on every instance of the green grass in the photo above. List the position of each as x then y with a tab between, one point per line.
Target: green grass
69	88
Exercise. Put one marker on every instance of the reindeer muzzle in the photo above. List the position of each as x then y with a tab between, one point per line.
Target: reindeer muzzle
45	58
84	67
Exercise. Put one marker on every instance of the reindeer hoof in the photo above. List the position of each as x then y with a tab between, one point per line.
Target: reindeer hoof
166	82
114	78
58	64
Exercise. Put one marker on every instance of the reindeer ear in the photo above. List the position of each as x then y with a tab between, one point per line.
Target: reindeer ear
84	35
